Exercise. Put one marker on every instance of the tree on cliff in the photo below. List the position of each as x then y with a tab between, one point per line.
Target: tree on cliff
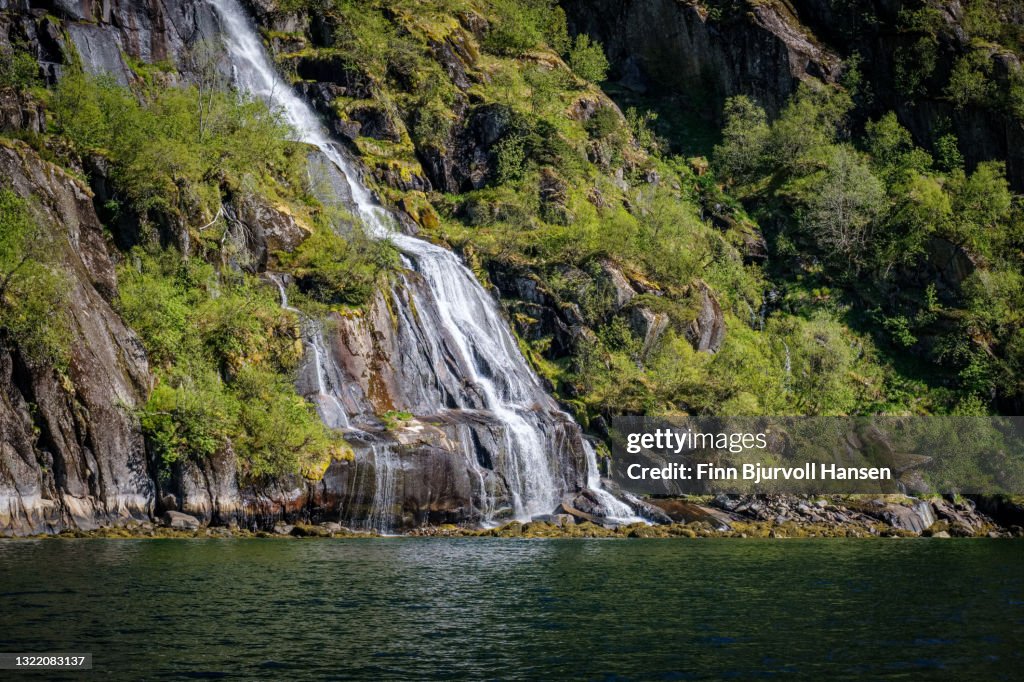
33	289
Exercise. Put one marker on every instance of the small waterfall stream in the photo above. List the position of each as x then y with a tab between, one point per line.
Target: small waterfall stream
331	411
466	331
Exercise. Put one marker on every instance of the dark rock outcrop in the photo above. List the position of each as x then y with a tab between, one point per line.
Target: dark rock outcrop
760	50
77	458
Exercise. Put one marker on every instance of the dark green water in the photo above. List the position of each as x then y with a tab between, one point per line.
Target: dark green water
467	608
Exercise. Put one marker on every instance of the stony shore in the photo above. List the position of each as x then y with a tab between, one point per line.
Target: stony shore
731	517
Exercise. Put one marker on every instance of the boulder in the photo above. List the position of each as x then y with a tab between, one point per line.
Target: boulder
622	291
681	511
915	518
282	528
566	508
648	326
179	520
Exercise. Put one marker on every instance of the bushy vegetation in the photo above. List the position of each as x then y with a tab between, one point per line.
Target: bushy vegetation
570	194
883	224
848	319
18	69
33	286
174	150
893	285
223	351
340	271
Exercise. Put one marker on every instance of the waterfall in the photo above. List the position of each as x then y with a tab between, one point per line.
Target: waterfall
331	411
466	331
613	507
385	466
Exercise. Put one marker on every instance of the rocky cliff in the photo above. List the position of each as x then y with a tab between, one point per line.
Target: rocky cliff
707	51
72	452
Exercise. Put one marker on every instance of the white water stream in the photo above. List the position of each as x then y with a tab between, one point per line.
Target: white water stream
470	319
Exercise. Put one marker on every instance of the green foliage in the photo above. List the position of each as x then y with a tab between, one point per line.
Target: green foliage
523	25
18	69
511	156
587	60
843	206
883	213
393	419
189	420
174	148
341	271
916	62
33	286
365	36
745	139
969	82
947	153
280	431
223	351
806	127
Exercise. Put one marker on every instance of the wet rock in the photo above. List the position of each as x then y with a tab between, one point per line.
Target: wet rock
706	333
180	521
648	326
680	511
283	528
915	518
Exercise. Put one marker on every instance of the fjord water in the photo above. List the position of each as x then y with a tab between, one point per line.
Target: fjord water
415	608
466	331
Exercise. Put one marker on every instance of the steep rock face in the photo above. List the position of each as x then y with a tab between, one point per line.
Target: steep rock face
150	30
868	29
762	52
72	454
396	360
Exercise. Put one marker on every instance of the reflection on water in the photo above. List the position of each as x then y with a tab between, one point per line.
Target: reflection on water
437	609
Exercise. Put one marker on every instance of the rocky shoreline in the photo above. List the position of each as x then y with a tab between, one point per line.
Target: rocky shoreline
723	516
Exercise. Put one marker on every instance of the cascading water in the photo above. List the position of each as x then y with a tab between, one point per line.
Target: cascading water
613	507
471	336
331	411
385	467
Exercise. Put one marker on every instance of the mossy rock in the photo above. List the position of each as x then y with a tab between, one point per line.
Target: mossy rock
649	532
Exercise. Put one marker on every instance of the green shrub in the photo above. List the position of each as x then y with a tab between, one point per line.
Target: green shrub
587	60
174	148
744	139
18	69
223	351
33	286
341	271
